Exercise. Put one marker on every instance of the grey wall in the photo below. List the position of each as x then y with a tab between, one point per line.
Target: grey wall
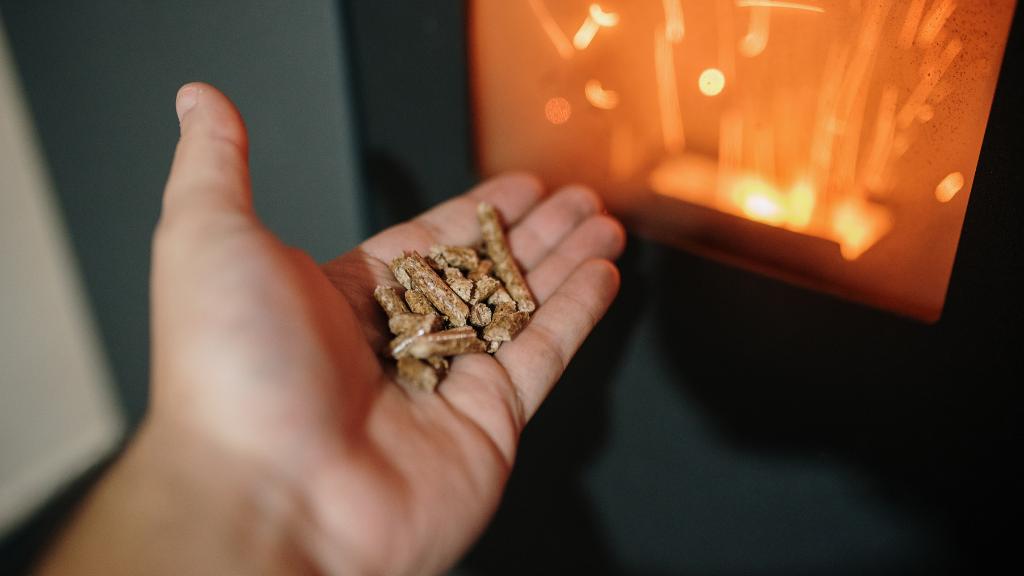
101	78
57	414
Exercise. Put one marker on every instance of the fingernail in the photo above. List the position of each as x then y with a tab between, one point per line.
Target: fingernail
188	97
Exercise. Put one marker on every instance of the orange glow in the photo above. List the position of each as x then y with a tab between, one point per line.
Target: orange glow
558	38
935	21
830	142
784	5
859	226
760	202
675	23
882	147
599	97
597	18
756	40
558	110
949	187
725	49
802	201
621	152
712	82
928	83
603	19
672	130
914	12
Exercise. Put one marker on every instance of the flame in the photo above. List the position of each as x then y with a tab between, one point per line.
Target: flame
858	226
764	207
760	201
802	201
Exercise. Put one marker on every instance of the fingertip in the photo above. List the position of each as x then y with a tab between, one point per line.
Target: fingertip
210	170
618	234
607	275
588	200
186	100
525	180
204	109
526	184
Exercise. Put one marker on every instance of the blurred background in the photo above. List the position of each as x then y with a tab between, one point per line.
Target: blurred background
717	422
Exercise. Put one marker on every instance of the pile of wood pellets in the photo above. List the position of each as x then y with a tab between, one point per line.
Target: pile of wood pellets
459	300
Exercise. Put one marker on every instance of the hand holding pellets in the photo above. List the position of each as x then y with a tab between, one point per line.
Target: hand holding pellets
451	300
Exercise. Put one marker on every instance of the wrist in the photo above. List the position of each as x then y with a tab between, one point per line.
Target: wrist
176	504
254	518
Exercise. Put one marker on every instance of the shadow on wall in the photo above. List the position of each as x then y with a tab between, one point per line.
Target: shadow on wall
547	522
926	412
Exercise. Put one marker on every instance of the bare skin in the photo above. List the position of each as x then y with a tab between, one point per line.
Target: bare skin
276	441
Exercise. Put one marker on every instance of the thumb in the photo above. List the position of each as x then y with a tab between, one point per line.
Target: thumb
210	173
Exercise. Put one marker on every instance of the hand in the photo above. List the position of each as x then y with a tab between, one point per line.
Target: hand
271	408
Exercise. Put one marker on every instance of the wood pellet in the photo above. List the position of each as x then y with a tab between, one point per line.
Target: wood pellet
456	300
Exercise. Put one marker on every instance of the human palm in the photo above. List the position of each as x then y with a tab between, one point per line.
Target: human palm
275	360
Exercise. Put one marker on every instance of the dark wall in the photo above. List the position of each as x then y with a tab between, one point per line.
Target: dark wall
723	423
101	78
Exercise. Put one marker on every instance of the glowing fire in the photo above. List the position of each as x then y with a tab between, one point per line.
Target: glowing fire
847	131
748	167
748	160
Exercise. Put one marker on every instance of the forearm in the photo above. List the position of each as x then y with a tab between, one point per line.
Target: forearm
171	506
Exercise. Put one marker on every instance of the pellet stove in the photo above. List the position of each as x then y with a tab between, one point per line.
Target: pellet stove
701	427
832	143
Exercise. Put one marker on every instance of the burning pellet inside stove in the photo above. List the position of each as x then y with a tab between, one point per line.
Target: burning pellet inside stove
830	144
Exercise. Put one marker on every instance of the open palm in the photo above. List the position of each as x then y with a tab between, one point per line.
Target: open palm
260	351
